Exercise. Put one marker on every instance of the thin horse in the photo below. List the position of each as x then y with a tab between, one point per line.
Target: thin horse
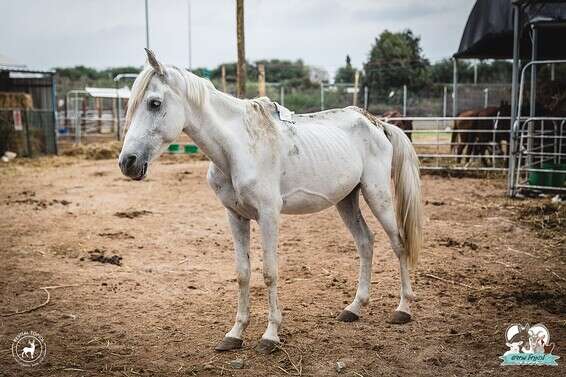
476	137
262	167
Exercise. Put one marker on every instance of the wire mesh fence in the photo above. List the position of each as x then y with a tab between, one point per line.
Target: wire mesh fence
27	132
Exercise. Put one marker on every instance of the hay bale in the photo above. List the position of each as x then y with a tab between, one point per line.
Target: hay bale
95	151
15	100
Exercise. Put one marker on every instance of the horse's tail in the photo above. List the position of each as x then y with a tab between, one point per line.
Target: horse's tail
408	203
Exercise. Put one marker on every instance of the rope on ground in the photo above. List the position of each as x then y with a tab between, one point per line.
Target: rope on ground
46	289
451	281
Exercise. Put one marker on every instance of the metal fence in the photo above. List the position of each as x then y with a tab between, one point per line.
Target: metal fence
27	132
84	127
480	146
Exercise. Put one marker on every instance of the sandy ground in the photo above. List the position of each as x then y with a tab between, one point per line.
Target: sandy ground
162	311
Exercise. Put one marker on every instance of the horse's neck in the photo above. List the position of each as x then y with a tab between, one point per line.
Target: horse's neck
218	127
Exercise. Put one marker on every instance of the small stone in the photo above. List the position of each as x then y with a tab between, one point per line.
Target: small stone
340	366
208	366
237	363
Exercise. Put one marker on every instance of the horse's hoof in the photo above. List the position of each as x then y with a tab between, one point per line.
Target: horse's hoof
399	317
266	346
347	316
228	344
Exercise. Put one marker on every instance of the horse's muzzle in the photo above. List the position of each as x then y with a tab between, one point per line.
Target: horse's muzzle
133	166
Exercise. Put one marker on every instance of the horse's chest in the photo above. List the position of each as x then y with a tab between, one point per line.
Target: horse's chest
224	190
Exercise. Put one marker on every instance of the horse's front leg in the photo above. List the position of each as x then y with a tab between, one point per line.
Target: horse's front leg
268	221
241	234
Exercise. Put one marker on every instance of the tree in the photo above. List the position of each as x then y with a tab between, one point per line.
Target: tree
395	60
284	70
345	74
496	71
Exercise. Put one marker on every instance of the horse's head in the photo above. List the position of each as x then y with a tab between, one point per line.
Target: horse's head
157	114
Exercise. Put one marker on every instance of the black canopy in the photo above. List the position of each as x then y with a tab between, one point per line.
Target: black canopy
489	30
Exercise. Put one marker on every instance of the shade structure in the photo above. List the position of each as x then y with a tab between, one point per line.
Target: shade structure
489	30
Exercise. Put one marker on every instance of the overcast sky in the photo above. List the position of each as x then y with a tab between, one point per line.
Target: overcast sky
104	33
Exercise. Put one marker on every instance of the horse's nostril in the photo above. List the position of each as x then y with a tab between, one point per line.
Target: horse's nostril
130	161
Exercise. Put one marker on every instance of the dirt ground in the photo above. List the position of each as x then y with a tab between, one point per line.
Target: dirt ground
149	286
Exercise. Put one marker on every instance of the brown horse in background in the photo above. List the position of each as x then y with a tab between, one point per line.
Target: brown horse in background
478	137
404	124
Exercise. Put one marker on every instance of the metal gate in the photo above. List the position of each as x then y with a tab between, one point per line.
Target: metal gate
538	145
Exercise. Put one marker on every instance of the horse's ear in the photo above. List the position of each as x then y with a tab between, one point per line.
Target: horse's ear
152	60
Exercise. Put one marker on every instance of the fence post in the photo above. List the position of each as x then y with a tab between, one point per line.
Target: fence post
514	90
444	101
533	96
356	82
261	80
366	94
282	95
54	109
27	131
118	130
404	100
476	72
444	105
455	88
223	73
321	95
485	97
77	120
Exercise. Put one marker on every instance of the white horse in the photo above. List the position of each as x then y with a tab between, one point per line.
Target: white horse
262	167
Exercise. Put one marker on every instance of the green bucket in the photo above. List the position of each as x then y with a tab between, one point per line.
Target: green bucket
549	179
173	148
191	149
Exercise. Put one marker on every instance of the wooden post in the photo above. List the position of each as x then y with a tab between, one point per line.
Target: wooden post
241	68
98	112
261	80
66	123
85	108
356	84
223	71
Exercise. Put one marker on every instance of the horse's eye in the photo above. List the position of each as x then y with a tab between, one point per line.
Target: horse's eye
154	104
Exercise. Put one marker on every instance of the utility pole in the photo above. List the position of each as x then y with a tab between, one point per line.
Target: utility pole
146	25
241	68
190	39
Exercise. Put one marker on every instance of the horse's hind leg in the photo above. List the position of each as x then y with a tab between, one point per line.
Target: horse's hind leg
350	213
377	193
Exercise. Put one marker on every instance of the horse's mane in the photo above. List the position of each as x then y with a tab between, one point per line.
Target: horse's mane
258	110
197	89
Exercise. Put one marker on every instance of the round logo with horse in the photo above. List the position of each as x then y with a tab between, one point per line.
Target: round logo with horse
28	348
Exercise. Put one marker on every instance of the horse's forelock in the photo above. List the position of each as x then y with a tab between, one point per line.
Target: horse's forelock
138	91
